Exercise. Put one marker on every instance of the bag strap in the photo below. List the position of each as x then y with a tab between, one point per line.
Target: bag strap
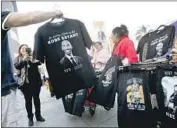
19	71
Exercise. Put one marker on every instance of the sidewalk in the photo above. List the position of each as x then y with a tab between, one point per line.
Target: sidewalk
55	115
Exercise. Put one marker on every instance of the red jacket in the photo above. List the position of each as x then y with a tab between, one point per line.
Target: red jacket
125	48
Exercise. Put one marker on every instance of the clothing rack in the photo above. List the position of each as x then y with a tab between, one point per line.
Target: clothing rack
148	65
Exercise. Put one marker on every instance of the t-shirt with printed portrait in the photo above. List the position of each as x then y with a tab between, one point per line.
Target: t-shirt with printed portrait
63	47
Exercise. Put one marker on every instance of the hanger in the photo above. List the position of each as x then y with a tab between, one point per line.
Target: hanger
160	28
58	19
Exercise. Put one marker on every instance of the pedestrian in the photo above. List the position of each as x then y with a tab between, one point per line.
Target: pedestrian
8	82
29	81
123	46
100	56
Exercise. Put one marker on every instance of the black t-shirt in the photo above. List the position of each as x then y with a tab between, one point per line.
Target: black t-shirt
74	103
134	104
105	91
156	43
7	78
142	48
167	95
63	46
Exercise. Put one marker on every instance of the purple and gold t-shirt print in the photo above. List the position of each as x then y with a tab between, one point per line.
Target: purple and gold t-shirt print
135	94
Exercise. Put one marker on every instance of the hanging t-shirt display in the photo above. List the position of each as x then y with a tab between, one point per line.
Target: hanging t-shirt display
142	48
74	103
105	91
134	104
63	46
157	43
167	95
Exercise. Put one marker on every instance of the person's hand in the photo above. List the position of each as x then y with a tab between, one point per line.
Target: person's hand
30	58
27	58
57	11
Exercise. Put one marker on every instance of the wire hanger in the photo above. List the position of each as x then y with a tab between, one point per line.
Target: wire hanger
58	19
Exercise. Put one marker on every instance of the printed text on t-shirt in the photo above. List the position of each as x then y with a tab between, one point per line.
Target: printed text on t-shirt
61	37
161	39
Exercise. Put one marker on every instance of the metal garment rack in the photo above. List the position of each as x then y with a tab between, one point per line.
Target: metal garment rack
148	65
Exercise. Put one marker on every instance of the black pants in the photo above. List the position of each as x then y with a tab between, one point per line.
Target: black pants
32	92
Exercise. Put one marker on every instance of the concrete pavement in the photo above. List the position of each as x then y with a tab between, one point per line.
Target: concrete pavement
55	116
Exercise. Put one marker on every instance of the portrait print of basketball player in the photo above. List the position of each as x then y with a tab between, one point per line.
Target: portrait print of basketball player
108	77
159	49
69	61
108	80
135	95
173	100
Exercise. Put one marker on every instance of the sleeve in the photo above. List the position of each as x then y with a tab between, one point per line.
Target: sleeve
19	64
4	17
87	40
131	52
38	47
139	47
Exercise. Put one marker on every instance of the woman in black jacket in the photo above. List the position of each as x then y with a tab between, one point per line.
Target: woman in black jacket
29	81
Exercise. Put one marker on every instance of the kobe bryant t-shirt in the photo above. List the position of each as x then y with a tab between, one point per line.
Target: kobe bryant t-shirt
63	47
167	95
156	43
134	106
